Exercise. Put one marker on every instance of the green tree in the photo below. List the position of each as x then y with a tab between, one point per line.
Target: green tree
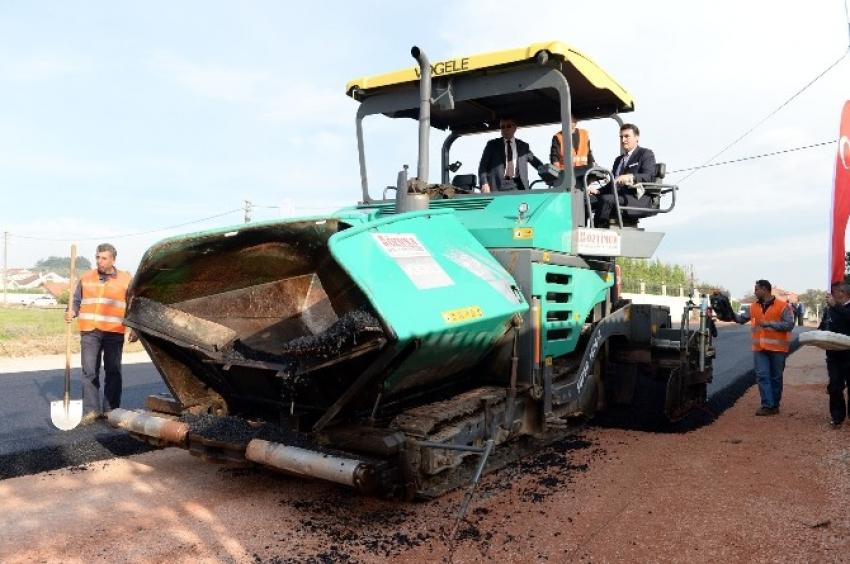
652	272
812	299
62	265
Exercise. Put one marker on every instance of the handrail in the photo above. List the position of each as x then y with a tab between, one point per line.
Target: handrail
610	176
662	189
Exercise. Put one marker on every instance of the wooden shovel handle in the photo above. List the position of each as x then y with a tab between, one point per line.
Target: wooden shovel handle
71	291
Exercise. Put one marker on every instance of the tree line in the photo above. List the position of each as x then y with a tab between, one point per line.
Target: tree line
652	272
62	265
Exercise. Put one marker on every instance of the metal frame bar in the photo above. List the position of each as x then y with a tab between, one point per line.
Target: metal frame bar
470	88
662	190
445	446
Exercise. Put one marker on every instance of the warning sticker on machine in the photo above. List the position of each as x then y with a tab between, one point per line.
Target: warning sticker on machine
414	259
599	242
462	314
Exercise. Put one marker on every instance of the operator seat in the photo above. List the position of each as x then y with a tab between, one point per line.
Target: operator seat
465	183
651	198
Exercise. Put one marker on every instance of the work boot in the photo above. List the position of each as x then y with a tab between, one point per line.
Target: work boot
89	418
766	411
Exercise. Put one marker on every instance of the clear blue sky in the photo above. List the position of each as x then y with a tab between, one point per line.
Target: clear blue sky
119	117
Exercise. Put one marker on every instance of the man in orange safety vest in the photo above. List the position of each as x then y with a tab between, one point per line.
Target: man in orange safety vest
99	303
582	155
771	321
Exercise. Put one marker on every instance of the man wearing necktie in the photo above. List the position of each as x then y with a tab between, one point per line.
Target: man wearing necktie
504	162
635	165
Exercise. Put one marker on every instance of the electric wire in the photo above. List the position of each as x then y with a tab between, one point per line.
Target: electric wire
126	235
753	157
694	170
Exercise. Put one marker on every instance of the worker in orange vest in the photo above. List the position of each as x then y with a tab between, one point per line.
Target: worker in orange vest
582	155
772	322
99	303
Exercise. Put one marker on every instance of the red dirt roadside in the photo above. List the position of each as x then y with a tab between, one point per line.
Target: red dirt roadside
743	489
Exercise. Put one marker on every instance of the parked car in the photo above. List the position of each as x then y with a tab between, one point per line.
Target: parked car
745	308
44	300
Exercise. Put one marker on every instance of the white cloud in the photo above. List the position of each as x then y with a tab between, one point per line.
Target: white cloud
56	165
42	67
311	105
213	81
276	99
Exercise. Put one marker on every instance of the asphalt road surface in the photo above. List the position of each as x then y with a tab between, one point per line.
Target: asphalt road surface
30	444
28	441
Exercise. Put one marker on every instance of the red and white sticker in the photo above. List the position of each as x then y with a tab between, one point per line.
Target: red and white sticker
599	242
414	260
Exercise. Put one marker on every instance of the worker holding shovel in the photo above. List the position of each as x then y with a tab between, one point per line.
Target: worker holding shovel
98	304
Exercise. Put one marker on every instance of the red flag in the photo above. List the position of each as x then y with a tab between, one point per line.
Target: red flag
840	199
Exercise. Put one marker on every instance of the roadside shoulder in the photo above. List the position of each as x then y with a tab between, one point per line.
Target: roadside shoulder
57	362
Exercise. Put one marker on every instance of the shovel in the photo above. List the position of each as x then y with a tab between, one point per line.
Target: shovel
66	413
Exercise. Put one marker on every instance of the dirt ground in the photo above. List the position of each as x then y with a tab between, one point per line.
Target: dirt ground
743	489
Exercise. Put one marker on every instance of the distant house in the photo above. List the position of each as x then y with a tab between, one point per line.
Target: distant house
56	288
25	279
787	295
53	277
18	273
16	276
27	283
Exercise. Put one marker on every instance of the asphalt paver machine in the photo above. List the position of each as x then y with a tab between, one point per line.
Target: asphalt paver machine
430	332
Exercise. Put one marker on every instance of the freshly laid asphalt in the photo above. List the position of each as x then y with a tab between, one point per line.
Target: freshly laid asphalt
28	441
30	444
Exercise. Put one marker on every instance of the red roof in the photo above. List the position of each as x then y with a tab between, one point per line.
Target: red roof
55	288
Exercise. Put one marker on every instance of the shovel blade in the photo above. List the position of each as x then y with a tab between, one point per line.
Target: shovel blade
66	416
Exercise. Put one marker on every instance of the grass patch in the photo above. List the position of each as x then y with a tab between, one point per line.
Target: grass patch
32	331
29	322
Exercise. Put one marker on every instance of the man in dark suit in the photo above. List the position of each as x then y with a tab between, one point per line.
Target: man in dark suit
837	319
635	165
504	162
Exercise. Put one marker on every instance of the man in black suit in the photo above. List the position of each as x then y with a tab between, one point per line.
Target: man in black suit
504	162
635	165
837	319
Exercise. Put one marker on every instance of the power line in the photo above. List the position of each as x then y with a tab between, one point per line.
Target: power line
753	157
125	235
764	119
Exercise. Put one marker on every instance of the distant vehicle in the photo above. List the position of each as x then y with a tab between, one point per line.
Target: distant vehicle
745	309
43	301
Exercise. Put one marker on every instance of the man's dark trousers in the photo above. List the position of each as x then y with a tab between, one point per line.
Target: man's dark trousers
839	379
109	346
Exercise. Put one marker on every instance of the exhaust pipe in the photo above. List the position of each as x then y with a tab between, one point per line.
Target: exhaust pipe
424	111
407	200
312	464
166	430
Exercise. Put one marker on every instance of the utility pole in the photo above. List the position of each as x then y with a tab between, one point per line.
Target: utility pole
5	259
692	280
248	207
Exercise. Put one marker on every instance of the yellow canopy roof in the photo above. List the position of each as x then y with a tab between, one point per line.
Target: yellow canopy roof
590	86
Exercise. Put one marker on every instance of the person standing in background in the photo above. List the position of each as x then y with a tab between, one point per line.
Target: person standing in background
99	304
837	319
772	322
